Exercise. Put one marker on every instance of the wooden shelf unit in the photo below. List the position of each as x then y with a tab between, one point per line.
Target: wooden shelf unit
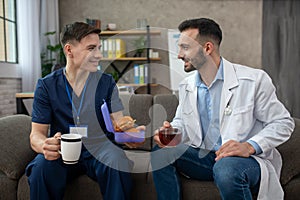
129	32
148	33
130	59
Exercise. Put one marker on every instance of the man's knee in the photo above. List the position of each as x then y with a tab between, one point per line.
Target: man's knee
225	171
40	168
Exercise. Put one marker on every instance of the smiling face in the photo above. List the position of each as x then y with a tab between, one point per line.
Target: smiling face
190	51
85	54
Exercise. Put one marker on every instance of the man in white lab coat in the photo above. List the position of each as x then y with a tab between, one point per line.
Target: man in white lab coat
231	121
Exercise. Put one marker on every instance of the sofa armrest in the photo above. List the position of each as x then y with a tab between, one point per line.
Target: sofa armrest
290	152
15	150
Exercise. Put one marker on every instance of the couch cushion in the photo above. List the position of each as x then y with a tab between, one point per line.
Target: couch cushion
164	109
193	189
138	106
290	152
154	89
81	188
140	159
23	188
15	151
125	97
8	188
143	187
291	189
85	188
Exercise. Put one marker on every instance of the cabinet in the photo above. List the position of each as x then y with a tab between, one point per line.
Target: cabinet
121	65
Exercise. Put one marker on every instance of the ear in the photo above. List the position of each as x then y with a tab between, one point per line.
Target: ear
209	47
68	50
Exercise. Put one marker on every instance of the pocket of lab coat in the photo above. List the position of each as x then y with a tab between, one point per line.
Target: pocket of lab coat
241	121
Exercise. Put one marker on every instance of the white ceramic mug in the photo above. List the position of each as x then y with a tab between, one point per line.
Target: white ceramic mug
70	148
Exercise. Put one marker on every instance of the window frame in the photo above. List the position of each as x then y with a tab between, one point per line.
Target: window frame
14	22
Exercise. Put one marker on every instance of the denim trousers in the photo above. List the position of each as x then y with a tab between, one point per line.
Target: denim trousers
235	177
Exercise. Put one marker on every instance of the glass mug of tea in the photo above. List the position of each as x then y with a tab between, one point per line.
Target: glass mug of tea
170	137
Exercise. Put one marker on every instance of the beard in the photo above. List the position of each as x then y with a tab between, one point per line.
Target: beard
199	60
189	68
195	63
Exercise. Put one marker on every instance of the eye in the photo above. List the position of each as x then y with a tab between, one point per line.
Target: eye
91	47
184	47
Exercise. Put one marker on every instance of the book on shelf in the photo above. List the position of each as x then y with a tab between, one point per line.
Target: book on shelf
94	22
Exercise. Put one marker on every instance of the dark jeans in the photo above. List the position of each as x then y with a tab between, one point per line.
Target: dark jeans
235	177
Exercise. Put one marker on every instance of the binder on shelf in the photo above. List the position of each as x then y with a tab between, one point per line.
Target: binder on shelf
146	73
113	48
136	74
142	78
110	48
120	48
105	49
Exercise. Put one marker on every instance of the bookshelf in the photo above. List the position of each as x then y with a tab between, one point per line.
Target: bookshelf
130	32
127	61
130	58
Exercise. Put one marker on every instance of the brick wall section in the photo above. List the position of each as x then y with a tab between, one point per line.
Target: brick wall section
8	89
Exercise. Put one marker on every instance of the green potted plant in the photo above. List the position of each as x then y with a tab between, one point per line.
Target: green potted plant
139	45
53	55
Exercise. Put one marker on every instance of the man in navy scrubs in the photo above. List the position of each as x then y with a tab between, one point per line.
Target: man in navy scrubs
69	100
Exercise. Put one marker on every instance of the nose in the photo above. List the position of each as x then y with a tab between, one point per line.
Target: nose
180	55
98	54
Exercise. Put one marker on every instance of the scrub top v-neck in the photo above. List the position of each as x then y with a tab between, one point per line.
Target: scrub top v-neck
52	104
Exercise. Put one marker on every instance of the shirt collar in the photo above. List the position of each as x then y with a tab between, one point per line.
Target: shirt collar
219	75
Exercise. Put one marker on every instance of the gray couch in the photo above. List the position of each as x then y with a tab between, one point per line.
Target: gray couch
150	110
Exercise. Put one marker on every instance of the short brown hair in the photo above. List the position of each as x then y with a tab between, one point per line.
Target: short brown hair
206	27
76	31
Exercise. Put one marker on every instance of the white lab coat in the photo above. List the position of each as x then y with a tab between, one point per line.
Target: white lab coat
249	110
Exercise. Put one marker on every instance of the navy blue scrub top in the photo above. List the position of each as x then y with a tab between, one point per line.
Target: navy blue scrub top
52	106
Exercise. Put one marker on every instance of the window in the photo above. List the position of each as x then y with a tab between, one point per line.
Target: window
8	31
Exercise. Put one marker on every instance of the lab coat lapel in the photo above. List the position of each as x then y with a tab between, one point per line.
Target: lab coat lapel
191	91
230	81
191	108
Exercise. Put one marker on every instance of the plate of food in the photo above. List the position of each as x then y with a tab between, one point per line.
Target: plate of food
124	128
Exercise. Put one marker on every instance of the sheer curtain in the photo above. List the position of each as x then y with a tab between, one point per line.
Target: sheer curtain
35	17
281	50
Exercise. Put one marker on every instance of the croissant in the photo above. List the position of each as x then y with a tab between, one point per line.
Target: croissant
125	124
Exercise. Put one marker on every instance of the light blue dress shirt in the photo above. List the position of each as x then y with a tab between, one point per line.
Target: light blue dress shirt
208	100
